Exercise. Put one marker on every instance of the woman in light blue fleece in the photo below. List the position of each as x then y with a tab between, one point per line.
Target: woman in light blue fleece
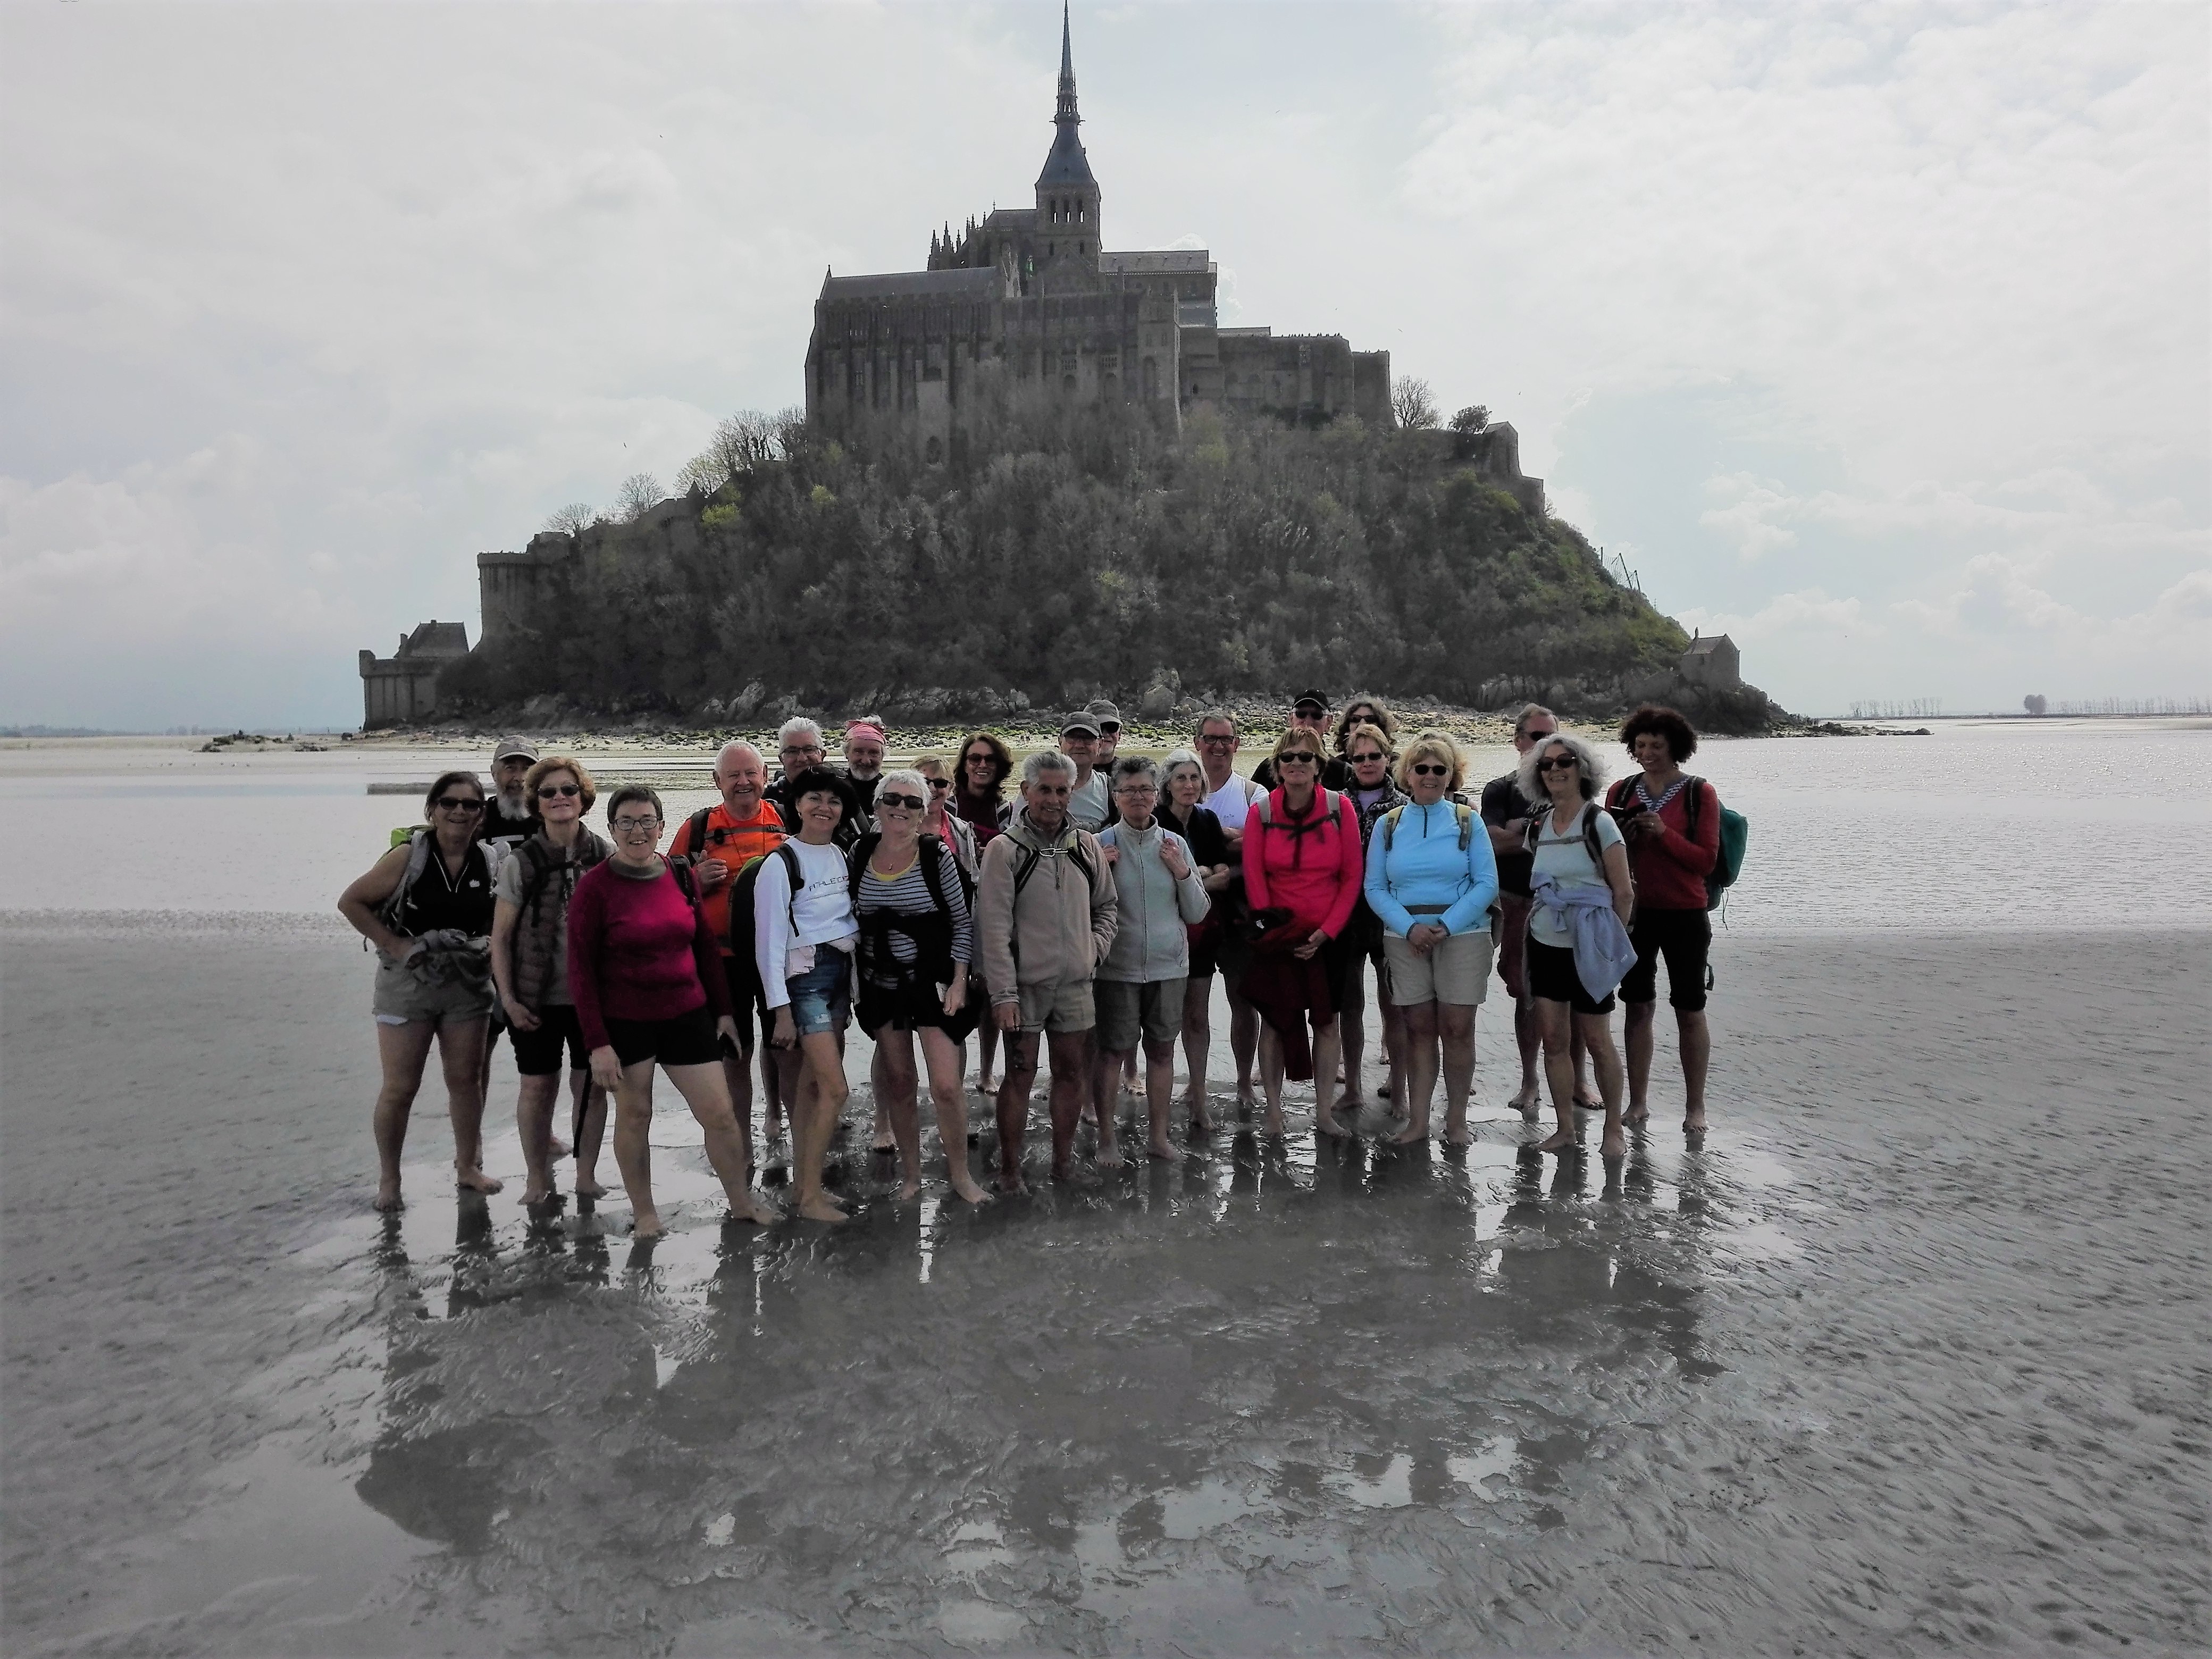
1432	878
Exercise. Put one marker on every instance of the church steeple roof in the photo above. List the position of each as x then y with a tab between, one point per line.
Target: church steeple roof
1065	164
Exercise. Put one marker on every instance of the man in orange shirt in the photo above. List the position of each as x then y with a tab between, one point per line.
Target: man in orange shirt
718	843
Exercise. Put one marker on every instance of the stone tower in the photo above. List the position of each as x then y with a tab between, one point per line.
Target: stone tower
1066	194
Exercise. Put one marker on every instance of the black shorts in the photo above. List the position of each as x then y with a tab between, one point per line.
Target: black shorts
1684	937
745	997
1550	975
538	1053
687	1040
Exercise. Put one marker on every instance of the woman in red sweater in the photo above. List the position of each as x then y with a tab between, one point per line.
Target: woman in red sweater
1672	823
1302	858
646	978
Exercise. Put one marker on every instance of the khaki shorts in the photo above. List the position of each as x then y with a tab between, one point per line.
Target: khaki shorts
1058	1006
1458	970
1128	1011
403	996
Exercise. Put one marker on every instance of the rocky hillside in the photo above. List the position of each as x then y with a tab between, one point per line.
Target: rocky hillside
1049	559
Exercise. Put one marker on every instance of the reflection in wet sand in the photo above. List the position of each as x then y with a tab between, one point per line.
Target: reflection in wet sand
1052	1421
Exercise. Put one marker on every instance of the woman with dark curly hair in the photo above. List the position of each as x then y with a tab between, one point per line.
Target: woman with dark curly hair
1672	823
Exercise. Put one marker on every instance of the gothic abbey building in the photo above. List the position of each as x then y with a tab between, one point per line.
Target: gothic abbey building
1034	295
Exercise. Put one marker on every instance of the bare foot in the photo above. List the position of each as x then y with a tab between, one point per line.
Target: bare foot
1615	1144
388	1199
759	1211
556	1149
1013	1184
533	1196
1637	1114
1200	1117
818	1208
909	1190
1325	1124
964	1185
1063	1171
1247	1101
589	1186
1528	1101
1559	1141
1110	1156
1458	1137
1410	1134
1587	1102
647	1223
1274	1126
1162	1149
476	1180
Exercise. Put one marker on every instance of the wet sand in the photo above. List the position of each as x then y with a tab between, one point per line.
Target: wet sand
1909	1356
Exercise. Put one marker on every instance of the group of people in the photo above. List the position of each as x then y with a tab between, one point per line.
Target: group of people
1084	918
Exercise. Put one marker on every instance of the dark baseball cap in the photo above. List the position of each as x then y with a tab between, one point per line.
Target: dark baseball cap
1315	700
1081	721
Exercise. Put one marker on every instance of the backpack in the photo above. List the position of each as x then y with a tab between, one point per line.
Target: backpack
1736	836
1590	810
1388	825
932	934
422	845
744	970
1031	858
537	869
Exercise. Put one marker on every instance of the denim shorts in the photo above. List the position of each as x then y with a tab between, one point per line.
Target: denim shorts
822	997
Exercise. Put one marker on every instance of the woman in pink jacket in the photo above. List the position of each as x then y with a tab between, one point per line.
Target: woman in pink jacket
1302	863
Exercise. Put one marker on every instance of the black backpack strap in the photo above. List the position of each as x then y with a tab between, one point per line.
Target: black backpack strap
931	848
1696	787
793	877
1590	810
536	871
1027	867
856	864
681	871
695	835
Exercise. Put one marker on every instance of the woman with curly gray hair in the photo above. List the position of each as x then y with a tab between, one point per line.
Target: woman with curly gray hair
1581	898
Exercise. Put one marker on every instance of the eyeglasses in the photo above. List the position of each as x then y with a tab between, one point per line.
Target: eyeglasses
1296	757
1136	791
911	802
1559	763
635	826
1216	742
1370	759
940	783
1425	770
546	792
801	748
458	804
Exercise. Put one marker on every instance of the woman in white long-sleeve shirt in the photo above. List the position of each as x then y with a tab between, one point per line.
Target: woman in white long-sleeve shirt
803	945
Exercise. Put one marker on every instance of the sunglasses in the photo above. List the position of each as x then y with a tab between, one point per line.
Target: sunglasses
546	792
458	804
940	783
1370	759
1425	770
1216	742
1107	728
1559	763
911	802
1297	757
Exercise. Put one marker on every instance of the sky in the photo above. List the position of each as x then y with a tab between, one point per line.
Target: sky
1879	337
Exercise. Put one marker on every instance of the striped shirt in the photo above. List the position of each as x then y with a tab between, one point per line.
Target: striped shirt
908	895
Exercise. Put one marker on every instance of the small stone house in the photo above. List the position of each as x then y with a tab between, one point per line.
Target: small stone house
1713	662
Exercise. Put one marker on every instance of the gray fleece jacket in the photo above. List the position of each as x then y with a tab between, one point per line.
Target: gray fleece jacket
1149	940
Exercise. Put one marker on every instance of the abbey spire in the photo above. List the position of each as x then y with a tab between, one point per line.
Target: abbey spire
1066	194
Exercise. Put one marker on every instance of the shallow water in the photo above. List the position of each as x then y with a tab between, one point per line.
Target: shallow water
1998	824
1909	1356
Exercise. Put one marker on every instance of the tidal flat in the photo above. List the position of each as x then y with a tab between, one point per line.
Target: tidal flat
1908	1357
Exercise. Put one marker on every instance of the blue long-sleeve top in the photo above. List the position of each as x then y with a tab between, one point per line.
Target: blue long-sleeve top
1421	864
